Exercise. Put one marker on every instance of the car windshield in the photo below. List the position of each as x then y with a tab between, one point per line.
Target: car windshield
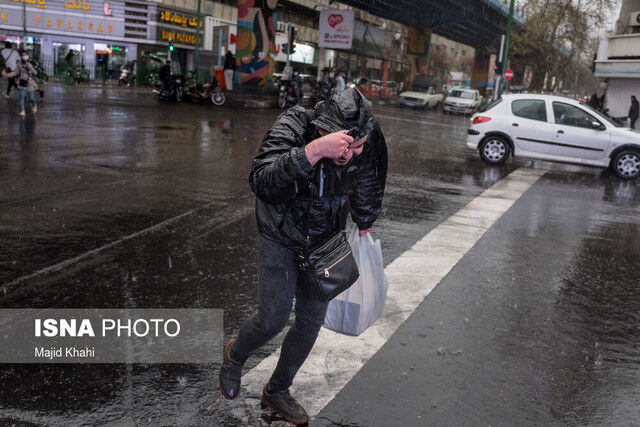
424	89
464	94
602	116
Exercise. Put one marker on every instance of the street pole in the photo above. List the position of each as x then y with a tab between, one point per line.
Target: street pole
196	56
24	18
289	43
498	78
505	57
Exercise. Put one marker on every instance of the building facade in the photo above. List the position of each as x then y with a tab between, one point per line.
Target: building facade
618	60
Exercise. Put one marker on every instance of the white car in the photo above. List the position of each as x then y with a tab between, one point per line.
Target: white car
421	96
461	100
553	128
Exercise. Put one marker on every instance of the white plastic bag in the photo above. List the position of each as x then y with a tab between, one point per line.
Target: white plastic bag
357	308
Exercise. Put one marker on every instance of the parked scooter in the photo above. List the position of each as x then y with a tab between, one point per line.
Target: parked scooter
127	78
287	94
174	89
322	91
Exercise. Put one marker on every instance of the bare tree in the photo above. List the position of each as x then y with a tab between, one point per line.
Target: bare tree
558	39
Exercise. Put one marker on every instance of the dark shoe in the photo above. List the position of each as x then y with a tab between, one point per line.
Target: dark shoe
230	373
286	406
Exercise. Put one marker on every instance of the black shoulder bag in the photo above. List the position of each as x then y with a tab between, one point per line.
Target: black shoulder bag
330	268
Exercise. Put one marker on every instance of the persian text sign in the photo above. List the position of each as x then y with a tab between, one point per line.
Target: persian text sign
55	16
111	335
336	29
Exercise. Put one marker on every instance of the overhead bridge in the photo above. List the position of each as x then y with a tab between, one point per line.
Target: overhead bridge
476	23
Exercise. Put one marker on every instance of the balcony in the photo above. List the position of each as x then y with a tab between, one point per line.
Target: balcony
624	46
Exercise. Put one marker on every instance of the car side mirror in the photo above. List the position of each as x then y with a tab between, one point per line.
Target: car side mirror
598	126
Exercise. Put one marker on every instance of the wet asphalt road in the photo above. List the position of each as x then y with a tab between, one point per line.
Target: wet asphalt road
110	199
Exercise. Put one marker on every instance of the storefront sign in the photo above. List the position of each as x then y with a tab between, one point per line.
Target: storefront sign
77	4
54	16
40	4
181	19
176	36
336	29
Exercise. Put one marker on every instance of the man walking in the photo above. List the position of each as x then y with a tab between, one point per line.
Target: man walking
164	74
10	56
634	111
229	69
307	169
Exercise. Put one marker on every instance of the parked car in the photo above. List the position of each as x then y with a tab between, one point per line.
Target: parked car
553	128
462	100
421	97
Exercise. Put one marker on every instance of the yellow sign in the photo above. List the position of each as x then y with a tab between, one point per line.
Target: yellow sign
179	19
178	37
70	24
75	4
40	4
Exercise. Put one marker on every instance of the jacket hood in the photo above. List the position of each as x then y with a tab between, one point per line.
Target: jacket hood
344	110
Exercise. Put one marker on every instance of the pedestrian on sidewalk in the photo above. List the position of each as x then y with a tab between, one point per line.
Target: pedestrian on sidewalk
340	85
10	57
634	111
229	69
27	84
305	156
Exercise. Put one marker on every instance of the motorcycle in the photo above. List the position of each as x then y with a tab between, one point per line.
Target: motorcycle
286	94
322	92
203	92
127	78
75	74
173	90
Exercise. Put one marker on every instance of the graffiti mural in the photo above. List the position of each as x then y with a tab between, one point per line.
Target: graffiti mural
255	41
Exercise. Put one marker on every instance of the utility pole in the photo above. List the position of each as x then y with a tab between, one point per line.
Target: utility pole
24	18
499	72
505	57
196	55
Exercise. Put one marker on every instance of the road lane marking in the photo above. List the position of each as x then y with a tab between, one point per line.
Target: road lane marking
336	358
7	287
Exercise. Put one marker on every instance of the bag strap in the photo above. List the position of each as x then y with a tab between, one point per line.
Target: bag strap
307	222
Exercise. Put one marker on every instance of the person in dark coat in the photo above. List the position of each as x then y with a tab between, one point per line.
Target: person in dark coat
301	147
164	74
634	111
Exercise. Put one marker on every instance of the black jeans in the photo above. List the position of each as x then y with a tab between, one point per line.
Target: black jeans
277	285
11	83
633	122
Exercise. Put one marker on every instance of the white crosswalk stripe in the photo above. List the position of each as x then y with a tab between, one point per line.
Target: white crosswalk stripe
336	358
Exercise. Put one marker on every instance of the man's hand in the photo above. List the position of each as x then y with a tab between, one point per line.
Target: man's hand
332	146
363	232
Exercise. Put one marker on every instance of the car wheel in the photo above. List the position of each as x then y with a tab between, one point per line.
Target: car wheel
494	150
627	164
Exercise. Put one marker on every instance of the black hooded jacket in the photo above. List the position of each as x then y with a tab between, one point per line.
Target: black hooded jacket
285	182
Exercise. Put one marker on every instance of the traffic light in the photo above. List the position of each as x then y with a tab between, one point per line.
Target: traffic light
498	68
291	44
170	46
